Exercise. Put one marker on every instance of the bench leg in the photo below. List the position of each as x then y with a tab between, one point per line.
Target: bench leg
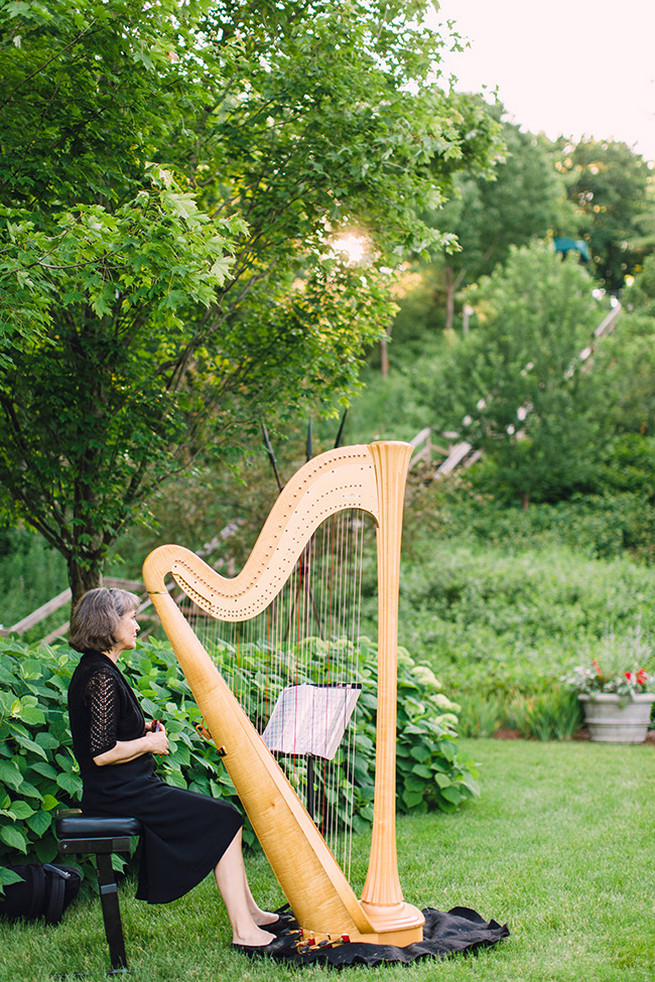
111	913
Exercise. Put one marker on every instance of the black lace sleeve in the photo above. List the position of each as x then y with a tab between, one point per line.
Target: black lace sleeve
103	710
102	702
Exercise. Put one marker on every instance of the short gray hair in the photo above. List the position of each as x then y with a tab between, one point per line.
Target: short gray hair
96	618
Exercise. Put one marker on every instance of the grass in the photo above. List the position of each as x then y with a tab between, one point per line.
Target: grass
559	845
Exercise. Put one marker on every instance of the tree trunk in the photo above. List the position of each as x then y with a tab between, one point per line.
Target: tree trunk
452	284
450	299
384	356
83	574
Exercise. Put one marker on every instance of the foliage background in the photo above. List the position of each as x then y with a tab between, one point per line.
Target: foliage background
171	180
512	572
38	772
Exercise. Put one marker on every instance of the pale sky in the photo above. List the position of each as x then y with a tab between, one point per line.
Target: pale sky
565	67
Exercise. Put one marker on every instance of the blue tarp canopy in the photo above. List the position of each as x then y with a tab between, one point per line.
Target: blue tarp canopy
573	245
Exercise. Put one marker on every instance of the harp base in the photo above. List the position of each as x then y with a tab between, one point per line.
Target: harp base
399	924
394	924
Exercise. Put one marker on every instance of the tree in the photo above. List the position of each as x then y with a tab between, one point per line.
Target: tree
640	295
625	367
521	203
152	312
520	199
516	387
608	183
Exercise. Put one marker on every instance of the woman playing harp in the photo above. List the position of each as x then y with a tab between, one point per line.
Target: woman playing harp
186	834
370	479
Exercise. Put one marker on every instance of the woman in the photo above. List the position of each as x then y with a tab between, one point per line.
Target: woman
185	834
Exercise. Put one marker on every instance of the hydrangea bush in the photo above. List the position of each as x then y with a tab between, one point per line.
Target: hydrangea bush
39	774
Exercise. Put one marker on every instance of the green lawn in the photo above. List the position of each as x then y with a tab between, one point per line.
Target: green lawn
560	844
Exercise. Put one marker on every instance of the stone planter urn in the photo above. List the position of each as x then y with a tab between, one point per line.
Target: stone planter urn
617	719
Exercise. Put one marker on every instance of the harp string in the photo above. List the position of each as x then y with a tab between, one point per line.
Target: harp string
308	633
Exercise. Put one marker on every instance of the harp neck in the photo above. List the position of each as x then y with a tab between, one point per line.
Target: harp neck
332	482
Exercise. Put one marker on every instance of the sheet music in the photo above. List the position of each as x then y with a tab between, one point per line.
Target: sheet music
311	719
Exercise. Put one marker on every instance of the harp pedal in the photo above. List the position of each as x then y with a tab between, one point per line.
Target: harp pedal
311	944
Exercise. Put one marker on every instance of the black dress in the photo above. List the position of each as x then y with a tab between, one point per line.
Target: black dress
185	833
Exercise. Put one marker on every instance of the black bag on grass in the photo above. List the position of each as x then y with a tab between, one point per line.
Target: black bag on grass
45	890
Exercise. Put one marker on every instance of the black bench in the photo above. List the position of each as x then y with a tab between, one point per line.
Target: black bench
88	834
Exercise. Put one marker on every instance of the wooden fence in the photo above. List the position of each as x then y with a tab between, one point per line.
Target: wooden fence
63	599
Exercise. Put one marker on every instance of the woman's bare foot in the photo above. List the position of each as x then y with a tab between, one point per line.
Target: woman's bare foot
254	938
264	917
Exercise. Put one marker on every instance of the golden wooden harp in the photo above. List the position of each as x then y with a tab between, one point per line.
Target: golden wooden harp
371	478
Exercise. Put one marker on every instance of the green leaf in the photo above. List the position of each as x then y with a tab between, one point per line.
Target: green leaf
32	715
452	794
175	778
21	810
13	837
10	774
46	850
71	783
31	668
40	822
30	745
9	876
448	749
28	790
412	798
44	769
66	761
422	771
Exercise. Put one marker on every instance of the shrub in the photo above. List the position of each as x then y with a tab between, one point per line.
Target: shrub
430	772
37	768
38	772
31	573
551	715
480	715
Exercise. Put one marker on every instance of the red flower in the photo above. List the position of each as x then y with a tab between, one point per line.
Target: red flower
642	677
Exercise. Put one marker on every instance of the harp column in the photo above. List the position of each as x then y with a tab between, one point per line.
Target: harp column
382	897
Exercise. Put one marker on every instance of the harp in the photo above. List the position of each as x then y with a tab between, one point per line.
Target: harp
367	477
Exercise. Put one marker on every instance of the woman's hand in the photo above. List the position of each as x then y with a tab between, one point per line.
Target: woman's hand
152	742
157	739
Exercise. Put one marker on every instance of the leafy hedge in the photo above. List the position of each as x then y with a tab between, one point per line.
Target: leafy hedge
38	772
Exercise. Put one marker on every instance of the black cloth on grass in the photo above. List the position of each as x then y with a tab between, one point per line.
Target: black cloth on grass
458	931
